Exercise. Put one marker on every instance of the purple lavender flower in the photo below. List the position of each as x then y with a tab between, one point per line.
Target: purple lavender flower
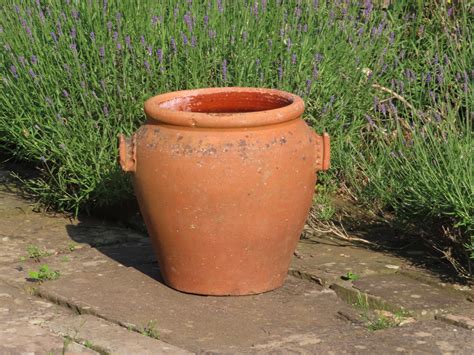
392	107
115	36
102	52
305	28
293	59
315	72
318	58
154	20
48	101
73	33
59	28
73	47
450	11
147	65
206	20
142	40
21	59
439	79
212	34
43	159
255	9
118	17
193	41
185	38
173	45
109	26
224	70
102	84
220	7
428	78
14	71
105	109
119	46
159	54
41	15
391	38
83	84
298	12
370	120
65	93
368	6
270	44
17	9
309	83
257	62
150	50
53	36
189	21
245	35
32	73
128	41
264	5
383	109
288	44
376	103
410	75
34	59
92	36
104	6
75	14
437	117
315	4
175	13
280	72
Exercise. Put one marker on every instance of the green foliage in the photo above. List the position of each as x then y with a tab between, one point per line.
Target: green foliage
350	276
393	88
35	252
150	330
44	273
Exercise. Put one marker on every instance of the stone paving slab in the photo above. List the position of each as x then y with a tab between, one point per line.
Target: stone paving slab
420	299
109	337
21	320
52	234
134	298
325	262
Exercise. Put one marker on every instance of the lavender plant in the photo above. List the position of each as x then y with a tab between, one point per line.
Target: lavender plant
392	86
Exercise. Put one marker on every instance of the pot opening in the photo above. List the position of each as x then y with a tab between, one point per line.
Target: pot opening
227	102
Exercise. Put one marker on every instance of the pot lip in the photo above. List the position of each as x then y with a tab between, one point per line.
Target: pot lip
155	112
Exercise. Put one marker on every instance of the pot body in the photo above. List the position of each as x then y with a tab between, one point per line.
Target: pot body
224	207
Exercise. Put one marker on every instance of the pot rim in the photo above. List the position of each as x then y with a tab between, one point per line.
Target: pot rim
155	111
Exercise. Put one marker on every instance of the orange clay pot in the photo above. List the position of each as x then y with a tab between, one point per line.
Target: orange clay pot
224	178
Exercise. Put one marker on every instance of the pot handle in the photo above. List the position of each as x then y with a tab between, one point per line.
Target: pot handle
323	152
127	153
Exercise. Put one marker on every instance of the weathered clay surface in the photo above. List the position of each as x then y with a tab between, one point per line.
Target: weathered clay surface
224	178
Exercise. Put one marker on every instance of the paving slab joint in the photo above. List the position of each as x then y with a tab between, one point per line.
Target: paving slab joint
359	299
303	275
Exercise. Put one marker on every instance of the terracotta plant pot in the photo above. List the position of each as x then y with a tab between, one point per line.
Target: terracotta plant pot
224	178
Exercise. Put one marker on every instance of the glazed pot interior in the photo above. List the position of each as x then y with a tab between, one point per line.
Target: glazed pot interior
227	102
